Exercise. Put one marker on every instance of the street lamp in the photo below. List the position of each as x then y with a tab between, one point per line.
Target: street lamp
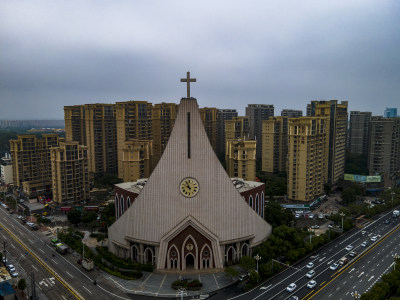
83	250
181	292
342	215
22	255
257	258
392	193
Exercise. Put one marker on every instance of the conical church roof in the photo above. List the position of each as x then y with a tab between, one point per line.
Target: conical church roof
161	206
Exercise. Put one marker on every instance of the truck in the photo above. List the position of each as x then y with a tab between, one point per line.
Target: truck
396	214
61	248
343	261
87	264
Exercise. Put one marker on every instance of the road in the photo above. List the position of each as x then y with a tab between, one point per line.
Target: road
359	274
57	276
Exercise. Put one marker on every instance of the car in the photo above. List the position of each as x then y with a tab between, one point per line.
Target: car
310	265
297	216
330	226
387	221
349	248
14	274
334	266
11	268
314	226
352	254
311	216
374	238
243	277
5	260
291	287
311	284
363	232
364	244
20	217
310	274
320	216
293	298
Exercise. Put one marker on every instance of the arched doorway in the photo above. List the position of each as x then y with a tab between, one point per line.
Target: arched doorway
189	261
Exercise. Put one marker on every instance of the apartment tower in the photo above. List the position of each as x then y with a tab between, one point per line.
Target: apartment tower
337	114
274	144
257	113
70	173
241	159
308	150
222	116
209	117
359	132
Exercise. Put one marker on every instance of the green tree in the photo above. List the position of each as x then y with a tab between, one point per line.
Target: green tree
74	216
108	214
247	263
21	284
231	272
254	277
89	216
276	215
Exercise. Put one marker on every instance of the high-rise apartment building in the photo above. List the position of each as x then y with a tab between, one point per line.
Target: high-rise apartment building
101	138
257	113
237	128
390	112
291	113
274	144
70	173
31	162
136	160
134	121
209	117
308	150
6	169
337	113
384	147
222	116
359	132
75	124
241	159
164	115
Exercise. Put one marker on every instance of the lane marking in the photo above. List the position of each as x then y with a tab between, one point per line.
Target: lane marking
87	289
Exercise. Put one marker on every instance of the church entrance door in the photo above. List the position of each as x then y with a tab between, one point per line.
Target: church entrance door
189	262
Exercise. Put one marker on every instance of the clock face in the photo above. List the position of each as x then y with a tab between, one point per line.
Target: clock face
189	187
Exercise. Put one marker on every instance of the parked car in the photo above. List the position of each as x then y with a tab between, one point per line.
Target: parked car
243	277
330	226
314	226
14	274
352	254
311	284
364	244
11	268
387	221
374	238
291	287
310	265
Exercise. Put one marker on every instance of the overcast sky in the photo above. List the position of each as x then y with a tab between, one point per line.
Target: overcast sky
286	53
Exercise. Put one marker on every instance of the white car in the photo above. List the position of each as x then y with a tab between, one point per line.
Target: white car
310	265
291	287
374	238
297	216
14	274
330	226
311	284
364	244
334	266
314	226
311	216
310	274
349	248
11	268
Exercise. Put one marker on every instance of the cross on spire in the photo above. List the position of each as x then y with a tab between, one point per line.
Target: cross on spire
188	80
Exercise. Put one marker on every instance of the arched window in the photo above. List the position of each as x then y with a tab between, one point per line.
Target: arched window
122	201
251	201
262	204
257	204
116	206
128	202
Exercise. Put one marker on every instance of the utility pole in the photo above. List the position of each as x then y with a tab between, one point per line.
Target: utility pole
342	215
33	289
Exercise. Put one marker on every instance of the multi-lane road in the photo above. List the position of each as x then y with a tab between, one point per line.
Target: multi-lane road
358	275
56	276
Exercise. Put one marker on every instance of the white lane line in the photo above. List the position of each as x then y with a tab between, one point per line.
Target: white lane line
371	277
69	274
55	262
30	241
12	246
41	250
35	268
87	289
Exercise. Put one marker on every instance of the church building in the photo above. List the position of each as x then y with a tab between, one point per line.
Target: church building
189	216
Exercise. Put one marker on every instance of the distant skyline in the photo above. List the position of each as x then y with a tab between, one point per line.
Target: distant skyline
285	53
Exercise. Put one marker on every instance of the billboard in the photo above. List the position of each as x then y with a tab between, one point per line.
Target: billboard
361	178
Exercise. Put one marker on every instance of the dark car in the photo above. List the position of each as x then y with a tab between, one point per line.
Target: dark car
387	221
